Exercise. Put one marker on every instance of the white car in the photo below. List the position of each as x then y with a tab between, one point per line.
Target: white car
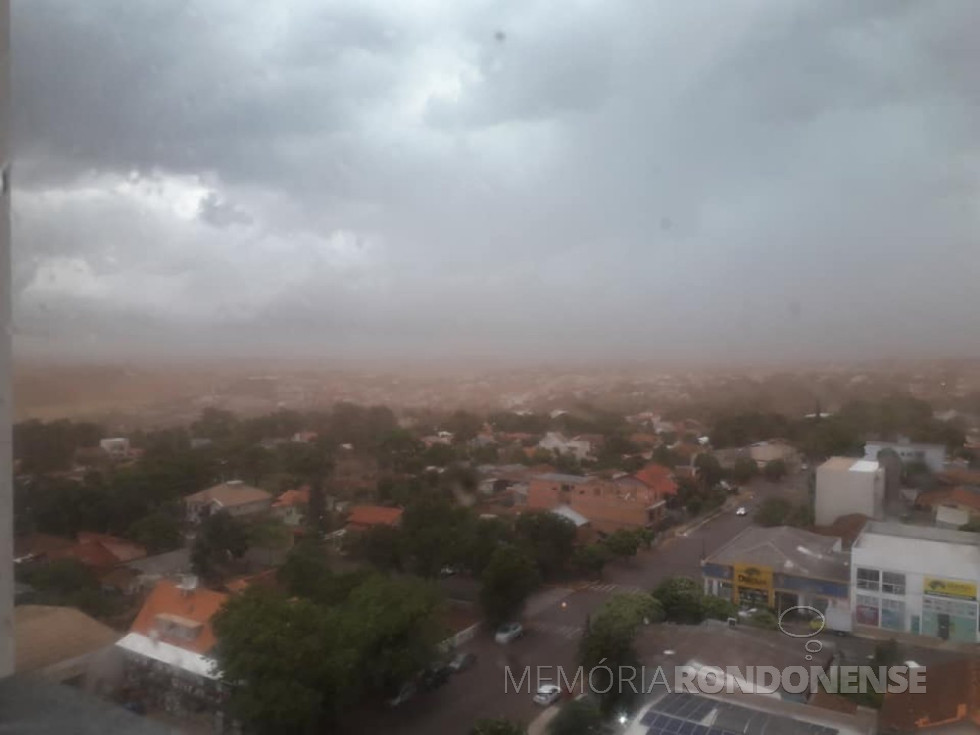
547	694
509	632
741	511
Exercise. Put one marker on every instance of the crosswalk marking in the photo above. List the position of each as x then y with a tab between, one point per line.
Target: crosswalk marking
570	632
610	588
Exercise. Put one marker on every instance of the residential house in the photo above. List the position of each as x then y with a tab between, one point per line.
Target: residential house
607	504
950	702
116	448
363	517
233	497
100	551
579	448
354	474
36	547
63	645
167	652
964	500
291	506
762	453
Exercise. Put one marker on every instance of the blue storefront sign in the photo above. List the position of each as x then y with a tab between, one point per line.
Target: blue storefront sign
821	587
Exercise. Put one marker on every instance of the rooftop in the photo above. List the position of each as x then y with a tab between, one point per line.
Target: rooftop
559	477
849	464
373	515
29	705
575	517
169	598
699	714
46	635
788	550
229	494
925	533
299	496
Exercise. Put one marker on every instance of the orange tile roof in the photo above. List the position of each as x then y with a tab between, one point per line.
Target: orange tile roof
100	551
199	605
262	579
963	496
300	496
373	515
657	477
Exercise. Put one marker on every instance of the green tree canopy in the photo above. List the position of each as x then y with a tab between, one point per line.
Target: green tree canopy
682	600
510	577
549	537
623	543
578	717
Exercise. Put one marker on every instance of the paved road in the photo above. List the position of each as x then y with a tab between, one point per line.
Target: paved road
554	620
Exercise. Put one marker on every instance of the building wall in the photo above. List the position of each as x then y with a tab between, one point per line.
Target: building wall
763	454
934	455
842	492
6	458
940	603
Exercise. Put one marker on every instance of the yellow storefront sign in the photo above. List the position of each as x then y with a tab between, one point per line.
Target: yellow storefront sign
949	588
752	575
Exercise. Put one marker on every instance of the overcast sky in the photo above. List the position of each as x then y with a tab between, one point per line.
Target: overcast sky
529	178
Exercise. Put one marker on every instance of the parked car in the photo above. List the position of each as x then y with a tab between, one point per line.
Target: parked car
407	691
547	694
741	511
462	662
509	632
435	676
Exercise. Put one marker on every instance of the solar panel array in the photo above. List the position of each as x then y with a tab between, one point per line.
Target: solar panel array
683	713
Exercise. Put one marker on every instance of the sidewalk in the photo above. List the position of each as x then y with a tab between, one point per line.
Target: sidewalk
539	725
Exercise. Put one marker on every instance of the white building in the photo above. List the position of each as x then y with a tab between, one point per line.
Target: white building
762	453
116	447
233	497
933	455
846	485
916	579
578	448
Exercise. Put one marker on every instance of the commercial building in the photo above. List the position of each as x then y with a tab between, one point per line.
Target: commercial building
918	580
846	485
781	567
932	455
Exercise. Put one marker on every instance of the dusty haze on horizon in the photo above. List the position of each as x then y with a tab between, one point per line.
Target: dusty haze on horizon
752	181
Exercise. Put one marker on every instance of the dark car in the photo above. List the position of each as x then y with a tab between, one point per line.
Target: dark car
462	662
435	676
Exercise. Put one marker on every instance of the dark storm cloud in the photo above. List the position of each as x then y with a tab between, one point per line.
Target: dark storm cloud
791	179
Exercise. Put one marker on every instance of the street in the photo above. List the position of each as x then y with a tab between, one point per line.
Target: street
552	633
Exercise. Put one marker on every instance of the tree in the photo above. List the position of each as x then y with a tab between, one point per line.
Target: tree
396	625
591	559
485	537
718	608
382	546
709	470
508	580
774	471
549	537
498	726
158	532
290	661
773	512
608	640
623	543
434	533
578	717
744	470
682	600
764	618
220	538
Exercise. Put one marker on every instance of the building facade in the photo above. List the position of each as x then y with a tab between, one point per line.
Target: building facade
932	455
917	580
845	486
780	567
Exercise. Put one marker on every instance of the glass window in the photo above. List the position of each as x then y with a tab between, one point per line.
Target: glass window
868	579
867	612
892	583
893	614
